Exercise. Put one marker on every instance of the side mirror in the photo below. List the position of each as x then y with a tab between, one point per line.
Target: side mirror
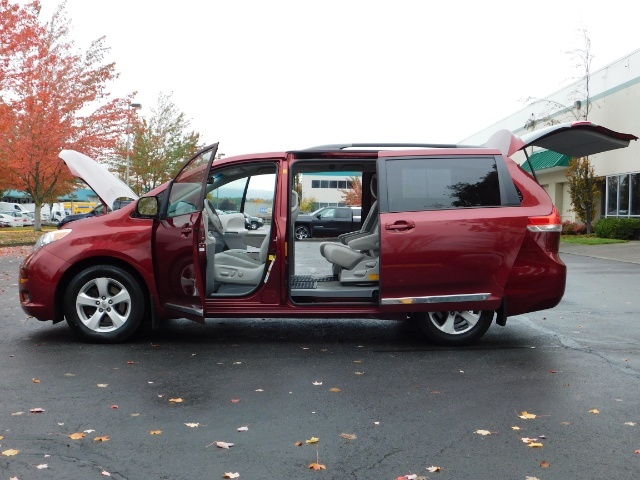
148	207
319	216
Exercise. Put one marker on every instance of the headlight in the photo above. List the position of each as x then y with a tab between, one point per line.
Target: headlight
51	237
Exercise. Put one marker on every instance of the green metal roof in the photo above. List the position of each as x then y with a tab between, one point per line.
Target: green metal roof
546	159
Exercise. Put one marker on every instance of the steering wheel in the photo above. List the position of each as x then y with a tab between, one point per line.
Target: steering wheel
214	219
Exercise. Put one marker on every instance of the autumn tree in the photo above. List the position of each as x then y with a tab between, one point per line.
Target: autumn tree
161	145
307	204
55	98
583	189
353	196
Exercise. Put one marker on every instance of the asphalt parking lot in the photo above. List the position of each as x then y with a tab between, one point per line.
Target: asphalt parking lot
410	405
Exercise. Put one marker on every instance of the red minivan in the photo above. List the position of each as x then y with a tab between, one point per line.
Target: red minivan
453	236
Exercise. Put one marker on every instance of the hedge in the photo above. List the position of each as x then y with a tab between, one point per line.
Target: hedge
616	227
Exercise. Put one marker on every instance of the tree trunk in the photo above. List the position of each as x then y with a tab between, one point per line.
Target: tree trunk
37	221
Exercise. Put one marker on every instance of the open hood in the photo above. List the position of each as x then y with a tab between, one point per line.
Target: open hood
100	180
575	139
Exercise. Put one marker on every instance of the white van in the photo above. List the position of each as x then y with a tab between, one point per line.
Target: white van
9	207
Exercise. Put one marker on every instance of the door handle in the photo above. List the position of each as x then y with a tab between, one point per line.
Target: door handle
186	230
400	226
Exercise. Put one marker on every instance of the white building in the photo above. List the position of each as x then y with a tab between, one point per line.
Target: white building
326	187
615	104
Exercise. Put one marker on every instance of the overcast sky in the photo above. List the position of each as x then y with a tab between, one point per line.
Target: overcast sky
280	75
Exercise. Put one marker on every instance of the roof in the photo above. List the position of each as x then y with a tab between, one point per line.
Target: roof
546	159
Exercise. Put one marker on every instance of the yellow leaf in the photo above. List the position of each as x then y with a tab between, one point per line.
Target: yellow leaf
192	425
224	445
433	469
102	439
155	432
535	445
527	416
359	373
35	380
298	444
335	390
231	475
317	466
176	400
77	436
102	385
313	440
483	432
595	411
348	436
69	374
545	464
515	428
1	437
10	453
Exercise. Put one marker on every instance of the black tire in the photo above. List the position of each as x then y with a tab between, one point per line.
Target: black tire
254	225
454	328
301	232
104	304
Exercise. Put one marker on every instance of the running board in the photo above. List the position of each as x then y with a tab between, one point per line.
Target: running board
330	287
194	311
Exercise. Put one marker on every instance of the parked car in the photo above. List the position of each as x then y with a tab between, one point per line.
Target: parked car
19	220
31	218
7	220
99	210
458	236
252	223
328	222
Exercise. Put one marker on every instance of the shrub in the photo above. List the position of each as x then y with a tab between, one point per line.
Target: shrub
573	228
620	228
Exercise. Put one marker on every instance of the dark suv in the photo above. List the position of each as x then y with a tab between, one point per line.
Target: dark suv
453	238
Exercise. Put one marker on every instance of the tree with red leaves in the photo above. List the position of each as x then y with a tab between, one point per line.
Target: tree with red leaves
54	98
353	196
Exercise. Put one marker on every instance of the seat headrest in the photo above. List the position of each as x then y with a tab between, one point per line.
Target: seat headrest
295	206
374	186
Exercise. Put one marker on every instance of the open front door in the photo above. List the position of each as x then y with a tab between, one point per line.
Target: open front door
179	250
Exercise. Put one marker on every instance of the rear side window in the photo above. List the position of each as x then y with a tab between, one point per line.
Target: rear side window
442	183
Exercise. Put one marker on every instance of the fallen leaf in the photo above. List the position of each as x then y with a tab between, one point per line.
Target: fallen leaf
317	466
10	453
317	383
37	410
176	400
631	424
102	439
359	373
335	390
89	431
192	425
483	432
637	451
35	380
155	432
16	414
536	445
298	444
1	437
77	436
515	428
237	363
243	429
235	400
357	361
531	478
41	466
115	407
231	475
69	374
130	362
135	414
436	392
376	423
259	390
565	423
225	445
433	469
553	371
348	436
527	416
313	440
102	385
104	473
545	464
529	440
595	411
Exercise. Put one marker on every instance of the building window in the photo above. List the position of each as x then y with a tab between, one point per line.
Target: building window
623	195
315	183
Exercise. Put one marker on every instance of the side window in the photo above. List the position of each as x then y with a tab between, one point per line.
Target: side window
343	214
442	183
328	214
186	190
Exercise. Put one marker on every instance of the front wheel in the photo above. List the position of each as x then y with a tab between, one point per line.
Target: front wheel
104	304
454	328
254	225
302	232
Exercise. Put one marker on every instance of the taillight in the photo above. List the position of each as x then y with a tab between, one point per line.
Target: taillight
548	223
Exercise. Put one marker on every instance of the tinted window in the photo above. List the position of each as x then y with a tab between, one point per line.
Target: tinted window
441	183
343	213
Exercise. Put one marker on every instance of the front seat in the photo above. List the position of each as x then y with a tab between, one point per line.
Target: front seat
370	221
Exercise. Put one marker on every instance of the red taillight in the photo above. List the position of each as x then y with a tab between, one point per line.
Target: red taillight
548	223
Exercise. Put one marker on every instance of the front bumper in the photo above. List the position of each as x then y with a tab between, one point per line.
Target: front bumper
39	276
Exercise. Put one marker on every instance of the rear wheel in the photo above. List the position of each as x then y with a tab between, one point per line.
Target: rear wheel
104	304
454	328
254	225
